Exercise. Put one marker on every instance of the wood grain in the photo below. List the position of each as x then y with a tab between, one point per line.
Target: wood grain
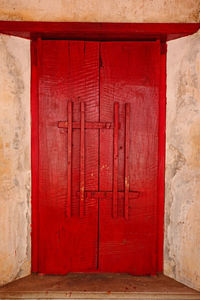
101	160
130	73
69	74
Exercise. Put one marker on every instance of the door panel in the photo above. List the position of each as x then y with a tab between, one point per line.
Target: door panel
69	71
130	73
114	86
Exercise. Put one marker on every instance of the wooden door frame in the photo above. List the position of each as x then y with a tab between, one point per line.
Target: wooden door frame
35	66
35	31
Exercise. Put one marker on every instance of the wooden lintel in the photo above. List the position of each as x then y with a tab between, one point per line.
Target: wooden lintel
98	31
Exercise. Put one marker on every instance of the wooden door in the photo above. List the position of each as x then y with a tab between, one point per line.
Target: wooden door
98	156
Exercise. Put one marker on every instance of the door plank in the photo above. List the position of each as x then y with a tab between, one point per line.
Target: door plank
127	150
115	158
69	74
69	159
130	73
82	160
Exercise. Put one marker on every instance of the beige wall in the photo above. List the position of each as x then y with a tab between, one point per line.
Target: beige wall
182	222
14	158
101	10
182	200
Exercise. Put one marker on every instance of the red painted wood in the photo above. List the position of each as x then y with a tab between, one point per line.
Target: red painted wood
161	154
69	73
98	31
97	242
82	160
132	195
34	152
115	158
127	146
130	73
88	125
69	159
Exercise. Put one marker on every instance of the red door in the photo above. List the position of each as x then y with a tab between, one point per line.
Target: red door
98	156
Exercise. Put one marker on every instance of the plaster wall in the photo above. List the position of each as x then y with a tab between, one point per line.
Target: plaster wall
182	198
101	11
15	169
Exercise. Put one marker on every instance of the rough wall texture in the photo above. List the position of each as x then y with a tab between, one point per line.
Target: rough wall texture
14	158
101	11
182	211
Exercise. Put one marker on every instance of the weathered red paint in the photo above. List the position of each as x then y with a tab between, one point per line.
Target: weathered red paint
68	74
115	158
98	31
82	160
127	162
98	74
69	159
35	64
130	73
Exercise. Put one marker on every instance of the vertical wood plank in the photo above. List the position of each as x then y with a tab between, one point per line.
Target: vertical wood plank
69	159
65	68
115	160
127	147
35	55
82	160
130	74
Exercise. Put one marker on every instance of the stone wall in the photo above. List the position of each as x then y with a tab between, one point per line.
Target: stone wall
182	198
101	10
15	169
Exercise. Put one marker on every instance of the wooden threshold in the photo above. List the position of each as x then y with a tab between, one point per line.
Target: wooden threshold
97	286
97	295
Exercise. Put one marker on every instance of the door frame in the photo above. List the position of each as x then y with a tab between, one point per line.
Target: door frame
35	69
33	31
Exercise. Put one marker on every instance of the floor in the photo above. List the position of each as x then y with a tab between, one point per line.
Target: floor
96	286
